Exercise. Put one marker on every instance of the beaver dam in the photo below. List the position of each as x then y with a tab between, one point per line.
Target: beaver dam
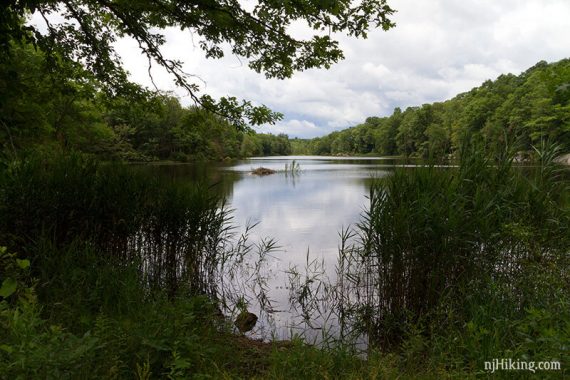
263	171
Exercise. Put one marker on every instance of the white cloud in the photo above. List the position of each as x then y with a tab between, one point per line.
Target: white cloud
438	49
292	127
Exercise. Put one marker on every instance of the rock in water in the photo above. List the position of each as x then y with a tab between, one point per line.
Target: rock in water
245	321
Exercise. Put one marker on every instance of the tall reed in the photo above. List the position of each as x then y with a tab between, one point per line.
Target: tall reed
435	240
172	232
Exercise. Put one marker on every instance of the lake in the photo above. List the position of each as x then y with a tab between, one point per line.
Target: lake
303	212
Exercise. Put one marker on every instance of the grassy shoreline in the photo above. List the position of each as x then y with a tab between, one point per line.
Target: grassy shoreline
111	274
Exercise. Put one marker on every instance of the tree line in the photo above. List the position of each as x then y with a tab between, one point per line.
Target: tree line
67	109
518	110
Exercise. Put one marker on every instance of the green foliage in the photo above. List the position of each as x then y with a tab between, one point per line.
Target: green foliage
117	257
171	231
42	110
524	110
261	35
306	362
151	338
455	267
160	335
265	145
464	265
42	107
14	277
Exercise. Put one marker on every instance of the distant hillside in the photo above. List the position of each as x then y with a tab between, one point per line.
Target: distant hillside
524	110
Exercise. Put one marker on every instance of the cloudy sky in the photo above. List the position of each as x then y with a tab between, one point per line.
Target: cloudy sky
438	49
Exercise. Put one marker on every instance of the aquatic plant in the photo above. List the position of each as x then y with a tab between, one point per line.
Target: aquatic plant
292	169
467	254
175	232
451	267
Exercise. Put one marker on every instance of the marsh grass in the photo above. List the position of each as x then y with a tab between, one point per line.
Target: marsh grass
293	169
462	264
115	237
155	337
451	267
130	274
447	269
171	231
118	237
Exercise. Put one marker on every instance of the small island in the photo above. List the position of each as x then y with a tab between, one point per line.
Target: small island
261	171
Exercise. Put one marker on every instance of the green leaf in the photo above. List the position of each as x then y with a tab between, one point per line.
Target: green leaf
5	347
23	263
8	287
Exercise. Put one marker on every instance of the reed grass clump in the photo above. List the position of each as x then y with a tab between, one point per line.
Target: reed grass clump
293	169
172	232
119	275
452	263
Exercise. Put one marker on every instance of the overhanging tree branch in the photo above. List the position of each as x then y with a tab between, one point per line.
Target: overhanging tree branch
262	35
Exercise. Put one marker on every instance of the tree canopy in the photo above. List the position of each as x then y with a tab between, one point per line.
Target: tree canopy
51	111
260	32
520	111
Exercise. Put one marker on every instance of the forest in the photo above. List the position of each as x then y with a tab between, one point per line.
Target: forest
43	109
67	111
513	110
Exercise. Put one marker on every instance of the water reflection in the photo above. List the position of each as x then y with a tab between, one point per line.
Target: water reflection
304	212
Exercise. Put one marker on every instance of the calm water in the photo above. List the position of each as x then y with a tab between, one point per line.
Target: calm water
303	213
